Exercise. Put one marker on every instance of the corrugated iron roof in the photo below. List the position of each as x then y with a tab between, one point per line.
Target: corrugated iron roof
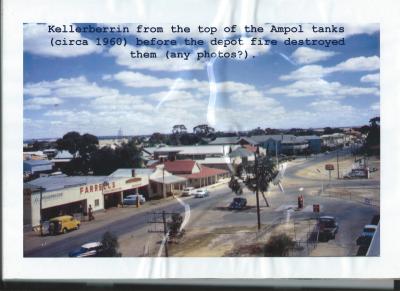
127	172
51	183
37	162
179	166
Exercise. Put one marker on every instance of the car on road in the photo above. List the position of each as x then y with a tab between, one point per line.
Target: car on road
188	191
356	173
201	193
131	199
367	234
238	203
327	228
62	224
93	249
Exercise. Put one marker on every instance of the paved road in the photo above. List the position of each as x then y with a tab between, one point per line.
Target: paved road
209	212
56	247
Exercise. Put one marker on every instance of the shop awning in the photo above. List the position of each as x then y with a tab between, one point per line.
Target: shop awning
171	179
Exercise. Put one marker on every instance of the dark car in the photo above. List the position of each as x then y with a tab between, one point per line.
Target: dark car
367	235
93	249
328	227
238	203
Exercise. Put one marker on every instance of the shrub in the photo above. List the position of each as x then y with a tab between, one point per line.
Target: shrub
278	246
110	245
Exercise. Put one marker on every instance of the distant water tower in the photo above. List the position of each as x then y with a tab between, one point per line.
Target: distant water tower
120	134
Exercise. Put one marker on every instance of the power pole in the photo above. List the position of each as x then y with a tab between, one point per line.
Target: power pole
165	233
257	186
337	163
41	219
163	183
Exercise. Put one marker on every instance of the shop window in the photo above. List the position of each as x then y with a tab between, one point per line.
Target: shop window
96	202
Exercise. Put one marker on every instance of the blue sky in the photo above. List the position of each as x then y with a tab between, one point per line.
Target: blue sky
100	89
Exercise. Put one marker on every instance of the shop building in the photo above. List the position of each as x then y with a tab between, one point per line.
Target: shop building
59	195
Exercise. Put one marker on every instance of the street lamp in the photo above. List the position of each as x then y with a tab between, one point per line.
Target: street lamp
40	210
322	182
257	198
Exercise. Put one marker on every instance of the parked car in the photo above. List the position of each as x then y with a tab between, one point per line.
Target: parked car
188	191
201	193
367	234
131	199
328	227
238	203
93	249
63	224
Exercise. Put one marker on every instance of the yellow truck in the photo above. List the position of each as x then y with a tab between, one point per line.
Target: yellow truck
63	224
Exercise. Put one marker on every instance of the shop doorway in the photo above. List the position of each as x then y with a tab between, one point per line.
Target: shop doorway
73	209
112	200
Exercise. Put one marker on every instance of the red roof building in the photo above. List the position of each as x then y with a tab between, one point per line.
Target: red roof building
179	167
250	148
197	175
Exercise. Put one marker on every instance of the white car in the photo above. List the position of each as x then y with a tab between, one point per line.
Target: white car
131	199
201	193
93	249
188	191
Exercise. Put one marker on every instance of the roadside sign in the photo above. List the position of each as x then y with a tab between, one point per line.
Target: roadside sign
329	167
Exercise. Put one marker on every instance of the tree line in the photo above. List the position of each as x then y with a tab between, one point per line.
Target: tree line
88	158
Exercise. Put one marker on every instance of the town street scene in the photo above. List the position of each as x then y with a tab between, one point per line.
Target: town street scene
274	156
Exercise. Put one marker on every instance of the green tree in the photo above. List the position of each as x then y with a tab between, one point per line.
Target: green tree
158	138
372	143
129	155
110	245
82	147
235	186
203	130
174	225
259	175
104	161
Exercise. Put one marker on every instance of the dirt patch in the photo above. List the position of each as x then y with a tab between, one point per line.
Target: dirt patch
236	241
211	242
318	171
248	208
363	195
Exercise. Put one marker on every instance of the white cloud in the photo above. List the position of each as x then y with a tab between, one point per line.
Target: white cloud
375	106
357	64
306	72
139	80
306	55
322	88
254	99
371	78
37	40
78	87
332	106
38	102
